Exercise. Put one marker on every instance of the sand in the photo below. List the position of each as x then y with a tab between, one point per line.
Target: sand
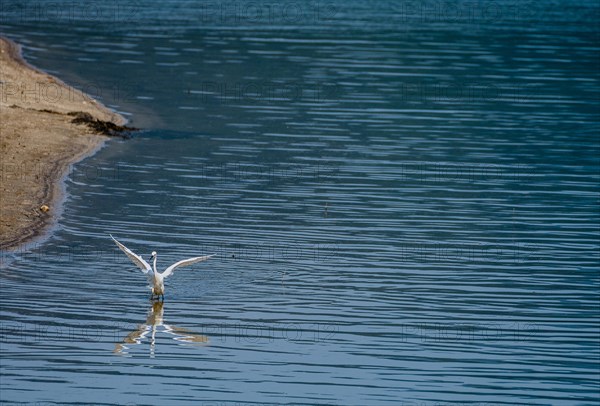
38	143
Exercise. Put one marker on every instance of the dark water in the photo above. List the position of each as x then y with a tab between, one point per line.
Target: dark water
403	197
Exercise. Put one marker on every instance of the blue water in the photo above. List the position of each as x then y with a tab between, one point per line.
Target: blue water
402	196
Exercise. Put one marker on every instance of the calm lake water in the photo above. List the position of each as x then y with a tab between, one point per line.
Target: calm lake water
402	196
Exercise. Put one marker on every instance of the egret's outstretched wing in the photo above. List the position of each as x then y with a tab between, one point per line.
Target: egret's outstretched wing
135	258
185	262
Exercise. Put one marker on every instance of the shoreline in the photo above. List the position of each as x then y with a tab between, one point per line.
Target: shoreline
40	139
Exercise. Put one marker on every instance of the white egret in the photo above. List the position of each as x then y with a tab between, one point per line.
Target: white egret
155	278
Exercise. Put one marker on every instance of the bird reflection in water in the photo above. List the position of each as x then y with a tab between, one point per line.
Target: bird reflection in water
152	324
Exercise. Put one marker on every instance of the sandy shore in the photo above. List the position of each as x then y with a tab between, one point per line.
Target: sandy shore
38	142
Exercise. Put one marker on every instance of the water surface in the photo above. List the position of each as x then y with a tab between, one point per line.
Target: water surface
403	201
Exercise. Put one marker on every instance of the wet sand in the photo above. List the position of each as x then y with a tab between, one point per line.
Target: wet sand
38	143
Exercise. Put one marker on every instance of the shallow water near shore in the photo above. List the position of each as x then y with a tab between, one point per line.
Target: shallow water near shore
403	204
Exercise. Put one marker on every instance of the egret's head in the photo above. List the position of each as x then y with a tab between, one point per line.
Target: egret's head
153	255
